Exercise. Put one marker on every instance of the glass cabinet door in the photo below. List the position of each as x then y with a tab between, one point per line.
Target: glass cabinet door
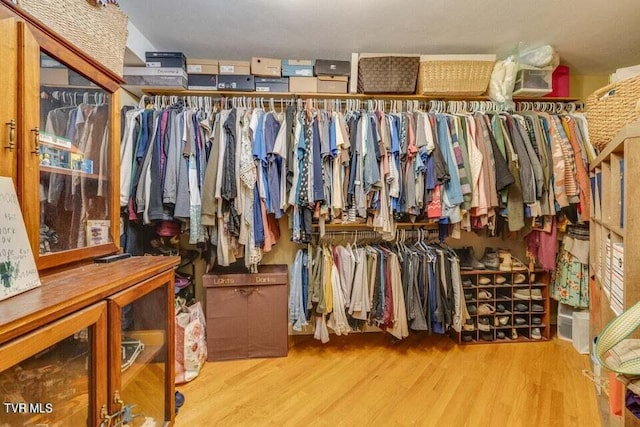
56	375
141	322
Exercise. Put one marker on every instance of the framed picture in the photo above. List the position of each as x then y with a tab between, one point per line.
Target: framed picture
18	271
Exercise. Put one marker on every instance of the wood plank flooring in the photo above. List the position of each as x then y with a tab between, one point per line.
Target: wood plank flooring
369	380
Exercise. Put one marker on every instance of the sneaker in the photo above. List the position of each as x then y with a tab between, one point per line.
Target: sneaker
537	308
522	294
500	280
490	259
467	283
484	295
519	321
468	295
485	309
467	338
471	309
484	280
536	320
469	326
535	334
519	278
484	324
500	308
503	320
487	336
500	335
504	257
536	294
521	307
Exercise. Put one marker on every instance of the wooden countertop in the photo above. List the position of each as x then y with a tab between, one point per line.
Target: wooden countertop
73	289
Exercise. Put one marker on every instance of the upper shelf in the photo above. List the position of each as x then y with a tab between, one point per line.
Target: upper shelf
361	96
616	145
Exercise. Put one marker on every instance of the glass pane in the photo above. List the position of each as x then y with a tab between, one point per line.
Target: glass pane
54	385
143	356
74	159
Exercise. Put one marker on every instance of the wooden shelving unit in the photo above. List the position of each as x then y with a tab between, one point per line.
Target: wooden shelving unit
607	211
357	96
505	294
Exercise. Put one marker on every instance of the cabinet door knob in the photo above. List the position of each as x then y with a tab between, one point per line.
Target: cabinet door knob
12	135
36	140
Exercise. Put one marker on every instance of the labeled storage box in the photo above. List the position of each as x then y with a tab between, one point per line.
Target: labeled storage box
533	82
236	82
234	67
203	82
303	84
268	84
332	84
329	67
247	313
455	74
388	74
165	59
202	66
170	78
297	67
266	67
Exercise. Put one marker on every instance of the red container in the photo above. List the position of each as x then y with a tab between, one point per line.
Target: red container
560	82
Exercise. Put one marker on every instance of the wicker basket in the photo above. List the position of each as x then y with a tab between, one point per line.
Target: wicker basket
455	74
100	31
610	108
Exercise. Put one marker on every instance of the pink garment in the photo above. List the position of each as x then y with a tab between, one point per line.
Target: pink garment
543	246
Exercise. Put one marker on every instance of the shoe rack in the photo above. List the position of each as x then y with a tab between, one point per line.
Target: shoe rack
500	303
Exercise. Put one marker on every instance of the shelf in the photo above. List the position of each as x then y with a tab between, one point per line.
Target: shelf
65	171
70	149
62	86
153	344
361	96
617	143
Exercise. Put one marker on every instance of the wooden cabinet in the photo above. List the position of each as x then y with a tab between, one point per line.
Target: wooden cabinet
506	306
60	124
90	342
614	228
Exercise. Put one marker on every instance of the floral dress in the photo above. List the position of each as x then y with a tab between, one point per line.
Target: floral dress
571	283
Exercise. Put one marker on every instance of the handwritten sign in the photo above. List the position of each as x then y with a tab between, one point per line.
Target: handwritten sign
18	272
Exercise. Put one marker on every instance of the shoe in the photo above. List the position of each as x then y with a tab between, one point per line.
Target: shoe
500	335
484	295
519	278
536	320
467	283
522	294
484	324
536	294
486	336
500	279
471	309
485	309
469	326
468	295
514	334
521	307
519	321
490	259
504	258
467	338
537	308
503	320
484	280
517	265
467	260
535	334
500	308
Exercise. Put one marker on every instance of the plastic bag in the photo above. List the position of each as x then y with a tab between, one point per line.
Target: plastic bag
191	345
503	79
538	56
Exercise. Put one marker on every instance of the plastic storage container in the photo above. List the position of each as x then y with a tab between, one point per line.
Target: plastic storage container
580	331
533	82
565	322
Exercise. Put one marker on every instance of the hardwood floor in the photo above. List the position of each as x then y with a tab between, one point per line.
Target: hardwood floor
366	379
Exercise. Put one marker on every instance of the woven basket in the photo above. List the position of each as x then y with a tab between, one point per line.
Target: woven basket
610	108
99	31
455	74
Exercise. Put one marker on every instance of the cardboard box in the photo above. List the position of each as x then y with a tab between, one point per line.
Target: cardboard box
267	84
297	67
202	66
203	82
236	82
246	313
234	67
303	84
332	84
54	76
266	67
330	67
165	59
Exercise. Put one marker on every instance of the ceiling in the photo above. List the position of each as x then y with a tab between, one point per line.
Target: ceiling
591	36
